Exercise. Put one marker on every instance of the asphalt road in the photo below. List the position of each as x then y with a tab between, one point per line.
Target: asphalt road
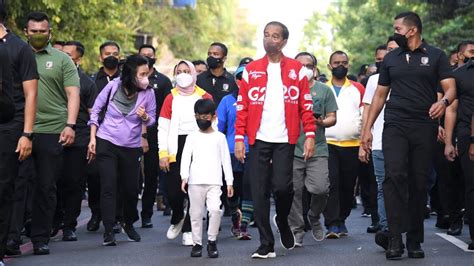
154	249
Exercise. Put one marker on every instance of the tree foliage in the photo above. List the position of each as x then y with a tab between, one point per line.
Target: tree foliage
359	26
187	32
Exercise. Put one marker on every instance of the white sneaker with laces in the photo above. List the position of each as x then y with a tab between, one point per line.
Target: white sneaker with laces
188	239
174	230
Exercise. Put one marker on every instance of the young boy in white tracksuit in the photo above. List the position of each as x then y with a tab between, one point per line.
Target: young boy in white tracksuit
205	155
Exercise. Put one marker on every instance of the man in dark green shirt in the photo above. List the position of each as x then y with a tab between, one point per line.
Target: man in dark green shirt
57	109
313	173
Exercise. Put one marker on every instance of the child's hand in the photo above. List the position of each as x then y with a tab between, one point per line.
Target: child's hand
183	185
230	191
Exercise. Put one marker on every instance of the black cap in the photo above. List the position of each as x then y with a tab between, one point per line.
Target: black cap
245	61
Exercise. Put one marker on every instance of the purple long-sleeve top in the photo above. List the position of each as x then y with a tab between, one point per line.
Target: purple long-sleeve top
121	130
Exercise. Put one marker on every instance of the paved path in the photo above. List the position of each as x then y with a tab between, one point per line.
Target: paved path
154	249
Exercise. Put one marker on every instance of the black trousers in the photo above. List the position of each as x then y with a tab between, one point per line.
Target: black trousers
176	197
450	185
468	170
408	149
22	198
119	172
93	187
343	171
368	190
48	156
8	172
280	183
151	171
72	184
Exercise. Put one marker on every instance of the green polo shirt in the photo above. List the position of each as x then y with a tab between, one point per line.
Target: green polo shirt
323	102
56	71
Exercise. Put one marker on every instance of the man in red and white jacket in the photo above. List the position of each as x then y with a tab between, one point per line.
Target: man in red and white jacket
273	100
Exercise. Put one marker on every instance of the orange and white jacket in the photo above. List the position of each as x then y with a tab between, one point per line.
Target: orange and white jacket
346	132
177	118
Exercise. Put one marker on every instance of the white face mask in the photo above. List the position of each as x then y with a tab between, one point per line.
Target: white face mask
184	80
309	74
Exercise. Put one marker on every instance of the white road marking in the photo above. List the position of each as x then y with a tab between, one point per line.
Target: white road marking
458	243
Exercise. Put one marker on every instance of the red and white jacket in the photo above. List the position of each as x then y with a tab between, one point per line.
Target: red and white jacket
298	101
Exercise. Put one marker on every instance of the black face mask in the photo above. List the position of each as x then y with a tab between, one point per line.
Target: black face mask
466	59
203	124
339	72
111	62
378	65
151	62
401	40
213	62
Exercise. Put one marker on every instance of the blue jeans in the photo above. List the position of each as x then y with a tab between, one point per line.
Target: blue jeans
379	169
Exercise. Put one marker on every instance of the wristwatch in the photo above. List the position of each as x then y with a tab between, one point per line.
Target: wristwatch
445	101
72	126
472	139
144	135
29	136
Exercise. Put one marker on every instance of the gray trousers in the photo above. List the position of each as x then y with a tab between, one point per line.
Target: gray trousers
314	174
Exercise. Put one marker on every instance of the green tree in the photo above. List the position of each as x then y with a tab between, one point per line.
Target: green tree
359	26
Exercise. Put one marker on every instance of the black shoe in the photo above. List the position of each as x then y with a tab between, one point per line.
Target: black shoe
12	248
414	250
109	239
40	249
117	228
395	248
196	251
212	249
131	233
381	239
372	229
442	222
69	235
455	229
287	238
167	211
146	222
94	223
471	246
264	252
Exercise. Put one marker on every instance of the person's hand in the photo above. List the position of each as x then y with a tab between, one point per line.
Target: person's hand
308	148
67	136
230	191
366	141
141	113
239	151
441	134
363	155
165	164
437	110
450	152
91	150
471	152
184	182
319	122
145	145
24	148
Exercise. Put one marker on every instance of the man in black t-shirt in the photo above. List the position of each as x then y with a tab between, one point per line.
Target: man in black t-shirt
464	76
72	184
411	73
161	85
16	136
217	81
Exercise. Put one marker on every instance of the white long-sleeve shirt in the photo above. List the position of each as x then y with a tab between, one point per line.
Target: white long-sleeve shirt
204	157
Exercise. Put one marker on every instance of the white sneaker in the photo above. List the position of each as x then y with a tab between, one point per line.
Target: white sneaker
188	239
174	230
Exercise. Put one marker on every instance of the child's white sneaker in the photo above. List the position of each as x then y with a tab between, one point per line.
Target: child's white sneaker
188	239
